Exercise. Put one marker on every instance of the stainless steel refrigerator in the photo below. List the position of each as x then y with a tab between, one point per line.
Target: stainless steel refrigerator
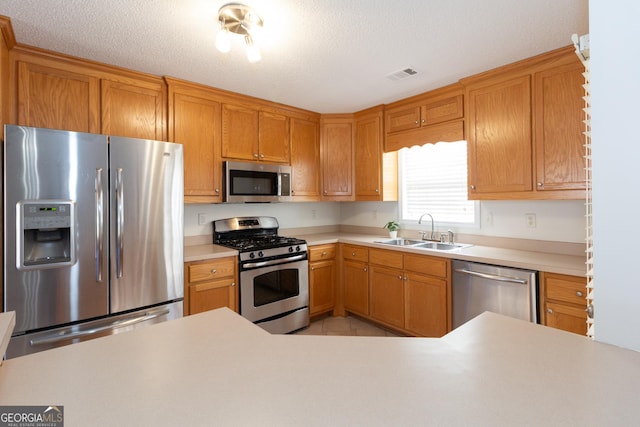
93	235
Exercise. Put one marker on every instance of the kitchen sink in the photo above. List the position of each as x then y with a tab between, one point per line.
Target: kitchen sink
421	244
401	242
441	246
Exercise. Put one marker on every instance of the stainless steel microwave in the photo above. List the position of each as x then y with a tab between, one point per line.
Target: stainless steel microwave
248	182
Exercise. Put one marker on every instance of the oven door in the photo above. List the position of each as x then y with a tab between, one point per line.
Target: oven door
273	290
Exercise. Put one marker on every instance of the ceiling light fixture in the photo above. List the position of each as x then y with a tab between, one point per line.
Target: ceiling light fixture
239	19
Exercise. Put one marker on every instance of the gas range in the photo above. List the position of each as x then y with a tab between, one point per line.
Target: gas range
256	238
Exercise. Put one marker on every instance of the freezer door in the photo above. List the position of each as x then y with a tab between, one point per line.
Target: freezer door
50	169
146	222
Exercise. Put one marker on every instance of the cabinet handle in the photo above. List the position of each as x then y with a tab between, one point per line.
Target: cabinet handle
540	185
262	156
579	293
590	311
233	284
406	278
549	311
377	190
473	187
214	271
423	120
255	155
217	190
353	254
364	269
417	122
400	277
324	253
313	268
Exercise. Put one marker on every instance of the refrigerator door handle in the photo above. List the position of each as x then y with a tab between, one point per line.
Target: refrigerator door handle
57	337
119	223
99	224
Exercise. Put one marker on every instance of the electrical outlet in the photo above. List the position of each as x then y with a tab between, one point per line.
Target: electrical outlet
530	219
488	220
313	213
202	219
375	214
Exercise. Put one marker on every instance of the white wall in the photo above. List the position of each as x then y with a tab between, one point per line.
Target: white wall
561	221
615	89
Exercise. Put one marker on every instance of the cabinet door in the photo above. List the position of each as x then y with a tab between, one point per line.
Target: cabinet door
567	318
195	123
368	153
322	276
273	137
337	159
355	277
403	118
426	307
387	295
211	295
58	99
239	132
133	110
500	153
305	159
559	127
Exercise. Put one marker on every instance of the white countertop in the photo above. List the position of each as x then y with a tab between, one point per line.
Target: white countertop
540	261
216	368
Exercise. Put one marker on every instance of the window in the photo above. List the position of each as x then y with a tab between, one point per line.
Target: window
433	179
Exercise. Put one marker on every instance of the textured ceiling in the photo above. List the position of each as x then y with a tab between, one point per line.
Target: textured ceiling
328	56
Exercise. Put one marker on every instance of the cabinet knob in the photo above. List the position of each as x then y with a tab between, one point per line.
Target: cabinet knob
255	155
214	271
400	277
590	311
377	190
364	269
423	120
262	156
313	268
233	283
417	122
540	185
549	311
579	293
473	187
324	253
217	190
405	278
353	254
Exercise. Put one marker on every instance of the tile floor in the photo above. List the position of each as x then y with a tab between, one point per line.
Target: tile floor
348	326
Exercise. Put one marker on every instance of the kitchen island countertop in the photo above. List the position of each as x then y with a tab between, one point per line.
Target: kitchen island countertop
217	368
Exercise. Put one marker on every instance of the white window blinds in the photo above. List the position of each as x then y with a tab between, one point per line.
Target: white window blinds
433	179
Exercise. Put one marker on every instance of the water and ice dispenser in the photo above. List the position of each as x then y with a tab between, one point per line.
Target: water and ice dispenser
46	234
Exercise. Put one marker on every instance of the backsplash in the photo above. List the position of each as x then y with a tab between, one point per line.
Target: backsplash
555	220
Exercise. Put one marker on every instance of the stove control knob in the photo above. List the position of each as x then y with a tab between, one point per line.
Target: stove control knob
297	248
252	255
260	254
290	248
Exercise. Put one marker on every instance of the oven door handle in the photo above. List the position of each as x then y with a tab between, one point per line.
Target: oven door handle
273	261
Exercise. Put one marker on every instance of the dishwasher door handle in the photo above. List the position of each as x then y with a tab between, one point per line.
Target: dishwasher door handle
493	276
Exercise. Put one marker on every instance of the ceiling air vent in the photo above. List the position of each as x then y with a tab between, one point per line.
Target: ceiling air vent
402	74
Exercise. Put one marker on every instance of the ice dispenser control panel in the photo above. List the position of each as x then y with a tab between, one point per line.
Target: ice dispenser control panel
47	216
46	234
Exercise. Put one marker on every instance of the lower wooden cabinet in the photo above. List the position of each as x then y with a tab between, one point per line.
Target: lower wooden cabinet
211	284
564	304
407	292
322	278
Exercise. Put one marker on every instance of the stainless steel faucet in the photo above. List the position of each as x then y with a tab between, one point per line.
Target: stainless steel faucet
431	237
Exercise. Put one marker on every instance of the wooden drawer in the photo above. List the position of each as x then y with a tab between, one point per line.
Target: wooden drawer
322	252
565	317
427	265
571	289
390	259
212	270
355	253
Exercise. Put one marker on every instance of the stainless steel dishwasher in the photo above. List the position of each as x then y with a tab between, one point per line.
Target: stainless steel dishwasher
482	287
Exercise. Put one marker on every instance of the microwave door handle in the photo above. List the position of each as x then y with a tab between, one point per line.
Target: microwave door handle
279	193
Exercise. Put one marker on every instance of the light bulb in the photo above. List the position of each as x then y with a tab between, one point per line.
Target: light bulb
253	53
223	41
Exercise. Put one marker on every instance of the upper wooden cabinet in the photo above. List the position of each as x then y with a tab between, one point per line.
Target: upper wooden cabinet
305	159
61	92
194	122
336	156
524	129
56	98
134	108
426	118
250	134
376	177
